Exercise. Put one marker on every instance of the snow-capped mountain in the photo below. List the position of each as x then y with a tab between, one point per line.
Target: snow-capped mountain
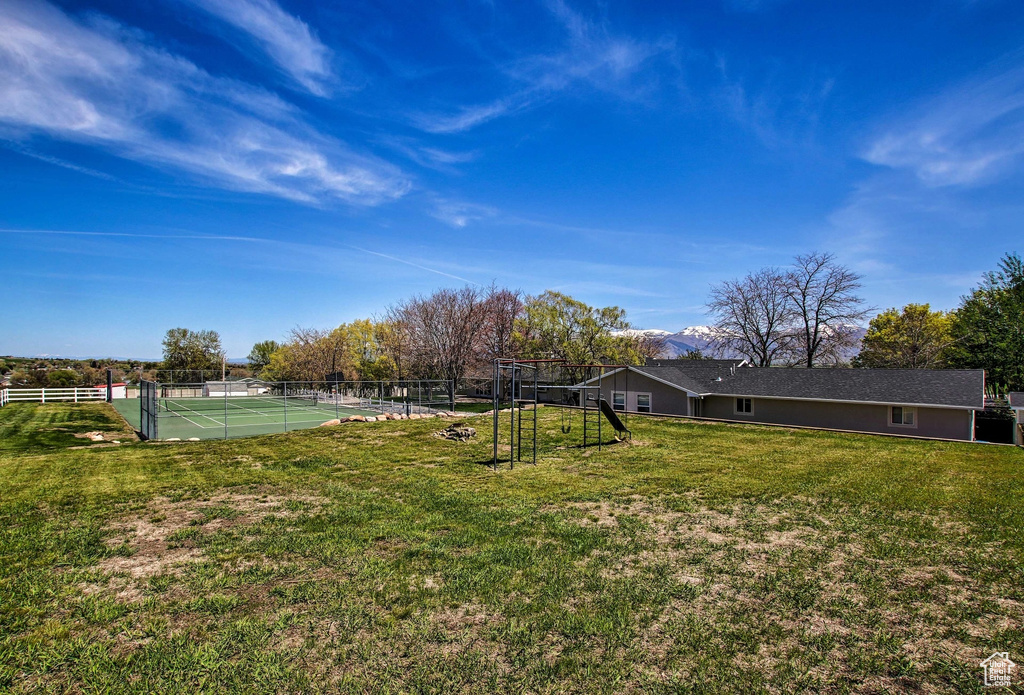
654	332
701	337
678	343
689	339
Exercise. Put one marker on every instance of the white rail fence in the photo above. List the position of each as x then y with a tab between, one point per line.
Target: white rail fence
75	394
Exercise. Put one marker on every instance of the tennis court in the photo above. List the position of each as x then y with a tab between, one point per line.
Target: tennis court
221	418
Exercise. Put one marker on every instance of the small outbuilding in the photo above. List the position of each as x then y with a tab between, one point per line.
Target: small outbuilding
118	390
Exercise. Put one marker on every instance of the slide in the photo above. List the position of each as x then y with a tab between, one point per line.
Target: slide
613	418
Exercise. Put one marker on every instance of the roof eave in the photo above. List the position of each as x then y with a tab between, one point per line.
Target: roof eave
840	400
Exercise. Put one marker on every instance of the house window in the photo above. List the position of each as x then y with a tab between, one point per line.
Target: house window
619	400
744	406
643	402
902	416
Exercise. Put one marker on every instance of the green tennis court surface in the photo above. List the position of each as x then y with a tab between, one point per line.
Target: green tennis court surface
217	418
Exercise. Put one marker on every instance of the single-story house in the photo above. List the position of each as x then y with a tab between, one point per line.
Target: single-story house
930	403
1017	404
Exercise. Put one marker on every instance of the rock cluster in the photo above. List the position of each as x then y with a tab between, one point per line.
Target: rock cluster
386	416
458	432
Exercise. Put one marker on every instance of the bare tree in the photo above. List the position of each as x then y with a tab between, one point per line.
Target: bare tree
647	345
446	332
754	317
502	308
826	307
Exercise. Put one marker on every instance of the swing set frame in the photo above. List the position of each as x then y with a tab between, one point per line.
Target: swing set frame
519	372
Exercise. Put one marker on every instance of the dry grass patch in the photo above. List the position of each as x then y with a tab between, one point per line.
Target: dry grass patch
151	539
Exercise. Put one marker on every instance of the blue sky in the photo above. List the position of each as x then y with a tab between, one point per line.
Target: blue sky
250	166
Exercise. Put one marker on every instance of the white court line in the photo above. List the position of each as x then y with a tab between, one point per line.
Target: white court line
191	411
242	407
281	422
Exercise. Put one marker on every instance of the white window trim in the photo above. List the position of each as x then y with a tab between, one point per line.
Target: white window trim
650	402
624	399
737	411
905	408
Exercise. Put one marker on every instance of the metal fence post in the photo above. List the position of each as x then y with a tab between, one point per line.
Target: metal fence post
495	378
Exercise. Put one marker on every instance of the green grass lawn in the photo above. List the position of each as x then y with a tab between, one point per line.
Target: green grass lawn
380	558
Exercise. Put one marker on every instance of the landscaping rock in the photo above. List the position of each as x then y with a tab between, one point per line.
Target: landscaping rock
370	419
458	432
329	423
357	418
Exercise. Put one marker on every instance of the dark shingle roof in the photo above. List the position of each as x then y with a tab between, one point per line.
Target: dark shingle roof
1017	399
686	361
952	388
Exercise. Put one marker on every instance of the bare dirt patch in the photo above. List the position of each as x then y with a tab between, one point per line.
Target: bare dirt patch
147	534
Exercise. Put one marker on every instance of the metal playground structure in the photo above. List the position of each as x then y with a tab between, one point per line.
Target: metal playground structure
521	380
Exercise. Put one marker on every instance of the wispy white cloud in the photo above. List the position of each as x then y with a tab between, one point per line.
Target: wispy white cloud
283	254
133	235
286	39
769	106
99	84
460	214
420	266
57	161
427	156
590	55
972	133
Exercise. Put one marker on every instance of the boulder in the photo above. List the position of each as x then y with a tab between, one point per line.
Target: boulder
357	418
415	416
370	419
329	423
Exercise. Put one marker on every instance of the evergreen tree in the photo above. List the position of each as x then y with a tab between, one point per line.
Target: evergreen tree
988	328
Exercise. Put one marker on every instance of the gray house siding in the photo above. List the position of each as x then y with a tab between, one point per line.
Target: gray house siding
940	423
665	399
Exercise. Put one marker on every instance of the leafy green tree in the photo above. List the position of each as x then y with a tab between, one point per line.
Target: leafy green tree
695	354
259	356
988	328
365	357
394	337
914	338
282	365
191	352
62	378
555	325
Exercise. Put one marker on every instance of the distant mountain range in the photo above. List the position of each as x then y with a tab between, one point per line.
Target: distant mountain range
700	338
681	342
